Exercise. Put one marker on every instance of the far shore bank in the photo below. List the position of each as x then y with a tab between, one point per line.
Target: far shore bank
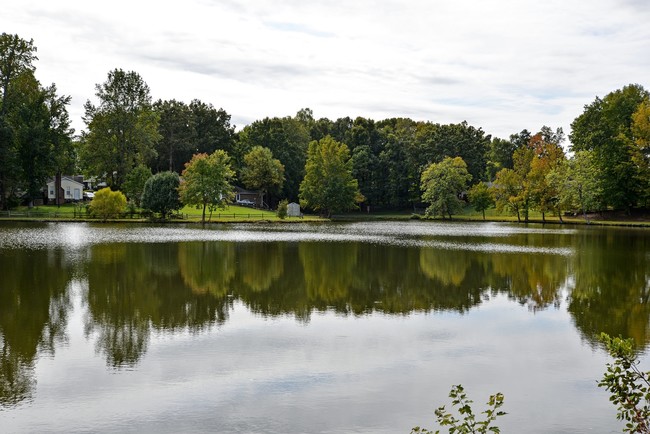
352	217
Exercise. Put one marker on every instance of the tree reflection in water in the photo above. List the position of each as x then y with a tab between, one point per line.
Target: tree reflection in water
34	306
135	289
611	291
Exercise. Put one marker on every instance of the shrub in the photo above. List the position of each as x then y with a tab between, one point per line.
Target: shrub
283	208
629	386
468	423
161	194
107	204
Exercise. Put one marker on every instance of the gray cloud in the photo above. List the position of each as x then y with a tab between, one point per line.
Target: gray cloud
503	66
247	71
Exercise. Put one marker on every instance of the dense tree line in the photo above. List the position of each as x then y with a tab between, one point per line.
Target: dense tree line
35	133
129	137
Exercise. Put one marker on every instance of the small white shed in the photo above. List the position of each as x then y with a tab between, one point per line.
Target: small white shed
293	210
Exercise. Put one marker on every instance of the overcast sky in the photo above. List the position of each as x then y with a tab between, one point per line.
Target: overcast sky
502	65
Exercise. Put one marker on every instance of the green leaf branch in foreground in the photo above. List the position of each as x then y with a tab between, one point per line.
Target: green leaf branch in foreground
467	423
629	386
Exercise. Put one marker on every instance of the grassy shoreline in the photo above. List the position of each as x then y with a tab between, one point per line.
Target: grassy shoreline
471	216
238	214
187	215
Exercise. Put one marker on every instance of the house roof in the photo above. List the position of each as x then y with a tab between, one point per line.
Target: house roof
244	191
67	178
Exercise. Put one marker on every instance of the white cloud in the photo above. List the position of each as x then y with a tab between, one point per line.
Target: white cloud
502	65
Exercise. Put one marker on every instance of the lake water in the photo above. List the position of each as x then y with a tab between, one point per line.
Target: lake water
331	328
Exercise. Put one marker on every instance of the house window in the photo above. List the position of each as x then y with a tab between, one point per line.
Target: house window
67	191
51	192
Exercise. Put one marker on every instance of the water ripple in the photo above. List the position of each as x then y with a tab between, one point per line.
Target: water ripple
457	236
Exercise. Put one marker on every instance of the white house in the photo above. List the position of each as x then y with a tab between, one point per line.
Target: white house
70	189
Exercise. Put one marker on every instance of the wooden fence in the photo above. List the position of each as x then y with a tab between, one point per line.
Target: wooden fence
134	215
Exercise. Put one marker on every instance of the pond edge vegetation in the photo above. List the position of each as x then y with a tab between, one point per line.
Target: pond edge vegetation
328	166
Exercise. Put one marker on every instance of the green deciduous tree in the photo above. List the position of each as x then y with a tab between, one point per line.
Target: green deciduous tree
177	134
499	156
287	138
442	183
16	58
35	133
583	189
134	183
435	142
366	170
212	129
522	159
547	156
641	155
605	127
122	129
160	194
42	135
262	172
29	119
189	129
329	186
207	181
396	175
107	203
507	192
480	197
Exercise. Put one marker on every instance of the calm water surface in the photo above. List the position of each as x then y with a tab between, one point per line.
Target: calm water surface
332	328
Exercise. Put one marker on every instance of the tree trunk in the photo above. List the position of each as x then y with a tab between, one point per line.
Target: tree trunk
57	189
171	151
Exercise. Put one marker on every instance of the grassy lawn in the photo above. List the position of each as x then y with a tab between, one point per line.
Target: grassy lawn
235	213
66	210
469	214
232	213
536	217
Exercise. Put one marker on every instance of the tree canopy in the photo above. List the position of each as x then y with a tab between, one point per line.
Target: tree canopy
262	172
207	181
134	183
329	186
122	129
442	184
287	138
606	128
35	133
480	198
160	194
